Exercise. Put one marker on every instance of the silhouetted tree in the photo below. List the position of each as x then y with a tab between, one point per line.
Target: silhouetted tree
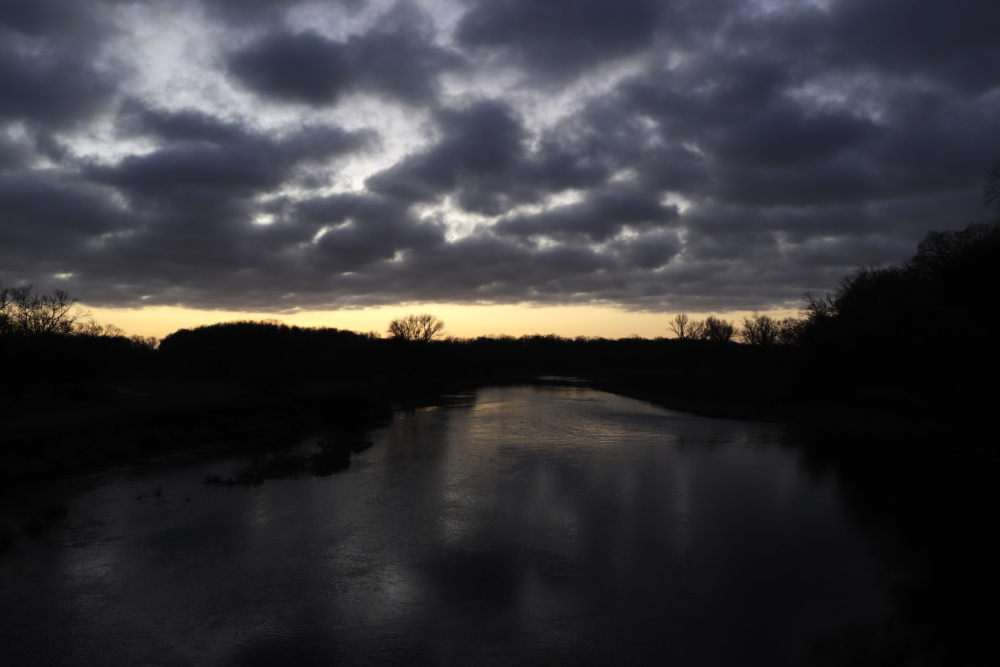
91	328
912	333
790	330
717	330
760	329
22	312
696	330
991	191
681	326
146	343
421	328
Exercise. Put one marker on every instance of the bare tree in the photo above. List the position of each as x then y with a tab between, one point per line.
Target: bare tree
717	330
97	330
681	325
421	328
991	191
696	330
818	309
760	329
144	342
22	312
790	330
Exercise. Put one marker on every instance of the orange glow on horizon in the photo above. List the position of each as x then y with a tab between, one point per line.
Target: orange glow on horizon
461	321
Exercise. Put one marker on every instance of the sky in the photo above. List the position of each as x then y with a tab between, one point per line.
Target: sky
523	166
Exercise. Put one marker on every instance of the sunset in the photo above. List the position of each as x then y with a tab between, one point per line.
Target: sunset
451	333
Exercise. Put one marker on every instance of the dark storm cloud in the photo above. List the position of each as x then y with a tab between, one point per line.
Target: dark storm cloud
748	155
481	142
46	19
480	268
744	117
49	87
951	44
52	220
47	74
57	203
208	162
560	38
136	118
785	134
14	153
368	230
396	60
483	158
303	67
250	11
649	251
601	216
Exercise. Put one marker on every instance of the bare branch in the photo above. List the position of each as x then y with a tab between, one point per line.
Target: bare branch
991	191
681	326
421	328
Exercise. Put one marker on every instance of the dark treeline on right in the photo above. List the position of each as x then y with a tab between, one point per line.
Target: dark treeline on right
915	335
911	348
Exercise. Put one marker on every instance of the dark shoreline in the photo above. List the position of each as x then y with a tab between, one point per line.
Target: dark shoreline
920	486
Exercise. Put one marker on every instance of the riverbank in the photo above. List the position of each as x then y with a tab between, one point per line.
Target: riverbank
126	422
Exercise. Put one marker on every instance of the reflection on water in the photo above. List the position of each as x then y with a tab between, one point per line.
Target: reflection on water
539	525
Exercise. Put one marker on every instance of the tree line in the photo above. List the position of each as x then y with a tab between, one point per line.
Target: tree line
50	345
755	329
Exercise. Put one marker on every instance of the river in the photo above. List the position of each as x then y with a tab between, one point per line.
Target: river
528	525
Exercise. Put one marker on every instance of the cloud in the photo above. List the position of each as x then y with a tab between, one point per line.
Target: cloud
241	12
396	60
560	39
600	217
49	87
53	221
363	230
303	67
46	19
956	48
207	162
479	143
713	154
48	73
483	159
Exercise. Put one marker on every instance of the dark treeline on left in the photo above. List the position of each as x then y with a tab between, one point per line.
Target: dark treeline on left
48	344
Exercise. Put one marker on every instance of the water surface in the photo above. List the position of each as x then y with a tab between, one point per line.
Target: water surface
538	525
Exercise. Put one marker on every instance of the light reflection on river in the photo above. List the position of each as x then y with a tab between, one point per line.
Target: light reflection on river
528	525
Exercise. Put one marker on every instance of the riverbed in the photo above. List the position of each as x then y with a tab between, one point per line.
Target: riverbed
529	525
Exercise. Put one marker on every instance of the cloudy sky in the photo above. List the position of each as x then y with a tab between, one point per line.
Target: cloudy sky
653	156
